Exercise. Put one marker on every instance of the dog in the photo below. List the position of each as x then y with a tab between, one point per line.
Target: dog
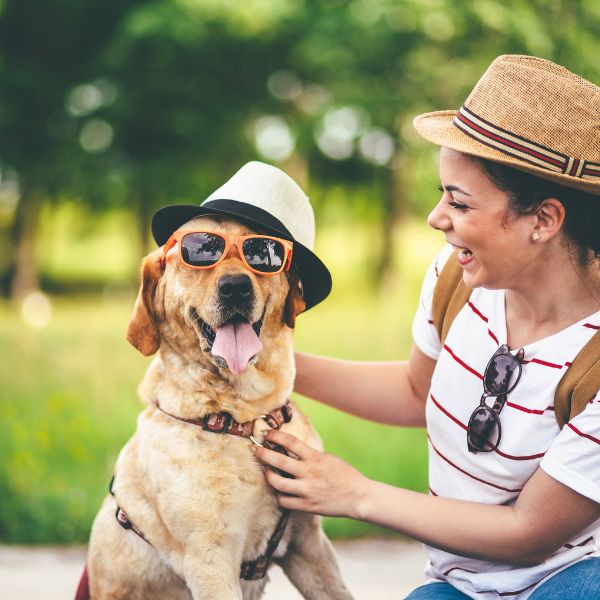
189	507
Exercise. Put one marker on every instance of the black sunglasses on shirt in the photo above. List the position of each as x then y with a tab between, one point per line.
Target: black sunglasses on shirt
500	377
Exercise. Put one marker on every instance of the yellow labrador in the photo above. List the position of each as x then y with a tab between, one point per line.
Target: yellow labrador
197	500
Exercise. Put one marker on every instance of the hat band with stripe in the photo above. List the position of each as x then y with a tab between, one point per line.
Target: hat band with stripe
521	148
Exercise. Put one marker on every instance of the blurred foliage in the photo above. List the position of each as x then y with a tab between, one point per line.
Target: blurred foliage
138	103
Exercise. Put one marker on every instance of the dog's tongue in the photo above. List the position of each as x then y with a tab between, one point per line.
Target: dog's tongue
237	343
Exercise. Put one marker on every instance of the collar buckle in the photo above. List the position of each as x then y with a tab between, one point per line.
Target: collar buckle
217	422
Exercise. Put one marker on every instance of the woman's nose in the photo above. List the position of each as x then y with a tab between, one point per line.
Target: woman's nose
438	218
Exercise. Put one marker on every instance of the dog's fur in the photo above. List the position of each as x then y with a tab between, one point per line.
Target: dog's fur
201	498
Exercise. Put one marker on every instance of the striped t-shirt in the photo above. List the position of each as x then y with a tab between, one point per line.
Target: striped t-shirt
530	435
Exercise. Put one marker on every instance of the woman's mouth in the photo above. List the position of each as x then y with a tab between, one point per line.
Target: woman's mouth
464	256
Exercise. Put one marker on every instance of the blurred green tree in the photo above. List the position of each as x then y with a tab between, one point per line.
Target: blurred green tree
45	49
139	103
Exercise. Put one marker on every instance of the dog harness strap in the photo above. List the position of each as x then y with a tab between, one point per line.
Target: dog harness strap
125	522
257	569
122	519
223	422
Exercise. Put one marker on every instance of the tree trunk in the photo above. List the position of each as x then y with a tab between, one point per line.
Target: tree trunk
297	168
393	211
25	276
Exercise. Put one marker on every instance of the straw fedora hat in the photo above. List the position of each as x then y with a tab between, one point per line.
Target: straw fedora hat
527	113
264	196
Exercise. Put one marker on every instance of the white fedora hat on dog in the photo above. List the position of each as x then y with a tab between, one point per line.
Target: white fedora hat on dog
264	196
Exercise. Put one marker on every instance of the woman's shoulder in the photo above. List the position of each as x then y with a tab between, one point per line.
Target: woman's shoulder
434	270
441	259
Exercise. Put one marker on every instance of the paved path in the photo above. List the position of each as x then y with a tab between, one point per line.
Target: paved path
378	569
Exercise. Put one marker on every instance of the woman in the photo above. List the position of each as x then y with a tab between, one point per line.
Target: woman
514	515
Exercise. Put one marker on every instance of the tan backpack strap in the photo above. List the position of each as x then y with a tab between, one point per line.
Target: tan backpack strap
579	384
449	296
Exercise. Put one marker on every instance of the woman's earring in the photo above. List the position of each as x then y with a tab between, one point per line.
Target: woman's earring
535	236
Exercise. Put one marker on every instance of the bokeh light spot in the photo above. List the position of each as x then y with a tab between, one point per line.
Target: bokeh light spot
96	136
285	85
377	146
313	98
340	127
273	138
36	310
84	99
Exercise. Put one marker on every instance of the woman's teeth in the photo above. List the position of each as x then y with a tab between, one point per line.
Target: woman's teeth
465	252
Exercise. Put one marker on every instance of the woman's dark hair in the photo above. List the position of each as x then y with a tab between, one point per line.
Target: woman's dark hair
526	192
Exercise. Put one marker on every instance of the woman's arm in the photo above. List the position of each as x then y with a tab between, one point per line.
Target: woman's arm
547	513
387	392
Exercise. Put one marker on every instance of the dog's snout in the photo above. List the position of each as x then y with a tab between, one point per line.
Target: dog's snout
235	289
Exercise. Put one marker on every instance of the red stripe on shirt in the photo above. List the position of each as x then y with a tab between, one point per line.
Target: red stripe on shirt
532	411
585	435
526	588
447	413
462	363
518	591
483	318
494	485
446	573
491	334
478	312
590	539
590	326
497	451
544	363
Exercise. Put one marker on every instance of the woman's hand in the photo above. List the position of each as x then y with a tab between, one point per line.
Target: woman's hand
321	483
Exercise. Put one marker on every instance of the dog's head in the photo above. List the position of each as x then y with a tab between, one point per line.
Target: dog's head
225	315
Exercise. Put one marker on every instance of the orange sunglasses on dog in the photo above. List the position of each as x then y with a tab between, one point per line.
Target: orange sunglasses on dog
262	254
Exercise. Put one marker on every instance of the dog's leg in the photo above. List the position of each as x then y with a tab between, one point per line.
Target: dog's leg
210	574
121	566
310	561
253	590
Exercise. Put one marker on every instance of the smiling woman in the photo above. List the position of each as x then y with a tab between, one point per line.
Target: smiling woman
520	183
471	213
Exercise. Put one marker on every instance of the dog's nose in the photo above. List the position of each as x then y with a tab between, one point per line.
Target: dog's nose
235	288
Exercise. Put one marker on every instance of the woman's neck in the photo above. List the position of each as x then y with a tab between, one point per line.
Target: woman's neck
556	295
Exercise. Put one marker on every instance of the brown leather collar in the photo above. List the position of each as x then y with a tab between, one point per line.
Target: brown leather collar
223	422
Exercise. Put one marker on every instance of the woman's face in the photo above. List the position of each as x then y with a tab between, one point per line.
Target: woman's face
475	216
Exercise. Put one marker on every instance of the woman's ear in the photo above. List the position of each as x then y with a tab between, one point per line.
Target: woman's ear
549	219
294	302
142	331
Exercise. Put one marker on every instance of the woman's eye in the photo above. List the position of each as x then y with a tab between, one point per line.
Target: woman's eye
453	203
458	205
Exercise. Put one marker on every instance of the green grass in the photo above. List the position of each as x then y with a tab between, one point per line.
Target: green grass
68	393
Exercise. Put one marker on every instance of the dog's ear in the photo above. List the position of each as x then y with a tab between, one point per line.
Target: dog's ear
142	331
294	303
